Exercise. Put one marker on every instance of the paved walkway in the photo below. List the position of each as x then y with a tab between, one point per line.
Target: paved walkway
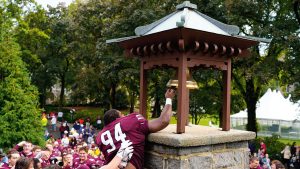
56	134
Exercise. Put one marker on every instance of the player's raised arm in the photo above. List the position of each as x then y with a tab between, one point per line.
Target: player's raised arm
165	116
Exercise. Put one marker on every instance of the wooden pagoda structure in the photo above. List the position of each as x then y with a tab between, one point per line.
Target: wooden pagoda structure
185	39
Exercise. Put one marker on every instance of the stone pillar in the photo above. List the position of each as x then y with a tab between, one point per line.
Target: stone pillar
200	147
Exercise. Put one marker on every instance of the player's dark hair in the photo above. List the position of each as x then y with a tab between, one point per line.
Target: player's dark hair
36	161
23	163
110	116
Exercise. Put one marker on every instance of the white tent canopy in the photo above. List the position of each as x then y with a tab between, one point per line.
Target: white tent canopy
273	106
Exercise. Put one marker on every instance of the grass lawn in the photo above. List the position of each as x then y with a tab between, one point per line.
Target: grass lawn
287	141
203	121
92	110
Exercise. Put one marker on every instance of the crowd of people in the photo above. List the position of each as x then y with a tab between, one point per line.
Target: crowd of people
291	156
120	144
261	160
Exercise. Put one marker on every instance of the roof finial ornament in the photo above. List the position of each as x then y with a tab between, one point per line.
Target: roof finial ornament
186	4
182	18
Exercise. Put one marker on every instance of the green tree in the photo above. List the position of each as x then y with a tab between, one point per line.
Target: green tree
18	98
262	19
60	48
90	84
33	37
290	74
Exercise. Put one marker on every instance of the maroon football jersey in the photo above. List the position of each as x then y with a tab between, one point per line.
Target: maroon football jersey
4	166
133	127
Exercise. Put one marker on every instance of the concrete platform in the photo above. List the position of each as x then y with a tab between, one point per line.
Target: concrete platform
196	135
200	147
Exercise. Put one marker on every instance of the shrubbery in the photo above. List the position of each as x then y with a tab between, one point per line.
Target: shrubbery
274	146
88	114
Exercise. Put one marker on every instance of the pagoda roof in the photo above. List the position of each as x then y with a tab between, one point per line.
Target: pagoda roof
187	16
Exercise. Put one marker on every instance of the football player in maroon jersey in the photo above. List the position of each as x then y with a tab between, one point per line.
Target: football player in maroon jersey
133	127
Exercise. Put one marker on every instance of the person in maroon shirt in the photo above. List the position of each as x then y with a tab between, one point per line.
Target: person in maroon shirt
54	152
133	127
26	151
125	152
36	150
13	156
263	148
254	163
83	159
67	160
45	158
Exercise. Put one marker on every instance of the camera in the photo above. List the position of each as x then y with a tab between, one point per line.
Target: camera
53	160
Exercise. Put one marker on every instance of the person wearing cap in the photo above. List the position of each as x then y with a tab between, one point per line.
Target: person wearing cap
81	121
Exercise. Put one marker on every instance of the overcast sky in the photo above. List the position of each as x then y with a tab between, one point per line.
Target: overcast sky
52	2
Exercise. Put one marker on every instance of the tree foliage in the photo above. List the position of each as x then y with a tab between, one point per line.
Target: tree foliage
261	19
32	35
19	106
18	99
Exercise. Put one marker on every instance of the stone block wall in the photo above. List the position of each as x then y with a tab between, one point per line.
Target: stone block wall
215	150
219	156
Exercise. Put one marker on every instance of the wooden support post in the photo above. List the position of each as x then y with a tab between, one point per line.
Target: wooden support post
143	90
226	97
187	107
182	95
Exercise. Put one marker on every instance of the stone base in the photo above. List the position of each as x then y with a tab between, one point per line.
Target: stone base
200	147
